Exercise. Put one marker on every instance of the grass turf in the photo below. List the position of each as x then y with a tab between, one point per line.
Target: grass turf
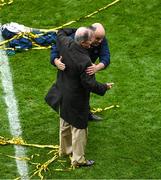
126	144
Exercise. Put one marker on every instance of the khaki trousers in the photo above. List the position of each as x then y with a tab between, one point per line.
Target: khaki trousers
72	141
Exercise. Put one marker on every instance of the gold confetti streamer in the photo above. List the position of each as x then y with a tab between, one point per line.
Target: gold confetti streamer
5	2
95	110
40	169
81	18
31	35
19	141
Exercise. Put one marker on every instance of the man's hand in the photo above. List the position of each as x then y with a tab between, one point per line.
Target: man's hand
95	68
59	64
109	85
91	69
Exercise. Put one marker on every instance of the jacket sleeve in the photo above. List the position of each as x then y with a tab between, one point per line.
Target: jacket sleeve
54	54
54	49
104	55
90	83
63	36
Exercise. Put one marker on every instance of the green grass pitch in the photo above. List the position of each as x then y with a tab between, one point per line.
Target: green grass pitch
127	143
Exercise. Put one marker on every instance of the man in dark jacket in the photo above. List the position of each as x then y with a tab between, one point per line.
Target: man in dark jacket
99	49
73	86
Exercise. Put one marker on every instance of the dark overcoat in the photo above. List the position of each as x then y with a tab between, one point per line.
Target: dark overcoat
73	85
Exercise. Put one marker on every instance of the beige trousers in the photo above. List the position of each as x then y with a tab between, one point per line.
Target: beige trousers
72	141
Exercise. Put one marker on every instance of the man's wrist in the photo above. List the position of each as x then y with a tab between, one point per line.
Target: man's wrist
96	68
99	67
56	61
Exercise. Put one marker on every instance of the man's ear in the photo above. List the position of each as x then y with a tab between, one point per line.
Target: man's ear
82	43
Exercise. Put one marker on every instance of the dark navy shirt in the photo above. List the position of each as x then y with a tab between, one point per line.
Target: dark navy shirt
101	51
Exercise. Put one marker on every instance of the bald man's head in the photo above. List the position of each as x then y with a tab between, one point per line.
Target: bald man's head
99	33
84	37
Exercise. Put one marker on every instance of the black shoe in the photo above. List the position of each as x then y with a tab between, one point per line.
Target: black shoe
86	163
93	117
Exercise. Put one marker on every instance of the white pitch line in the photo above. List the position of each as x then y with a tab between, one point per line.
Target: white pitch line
12	110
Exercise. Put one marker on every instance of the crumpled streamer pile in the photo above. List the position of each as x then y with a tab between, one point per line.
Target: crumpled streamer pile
40	168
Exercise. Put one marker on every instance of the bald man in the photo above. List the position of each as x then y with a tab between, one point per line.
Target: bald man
99	50
73	87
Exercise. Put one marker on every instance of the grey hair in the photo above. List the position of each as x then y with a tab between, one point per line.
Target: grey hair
92	28
83	34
